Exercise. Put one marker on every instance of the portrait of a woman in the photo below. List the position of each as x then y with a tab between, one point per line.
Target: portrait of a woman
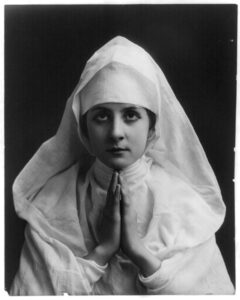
122	199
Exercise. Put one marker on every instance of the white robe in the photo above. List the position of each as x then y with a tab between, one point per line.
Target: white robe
62	220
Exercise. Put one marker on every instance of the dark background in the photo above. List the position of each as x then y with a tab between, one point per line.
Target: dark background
46	48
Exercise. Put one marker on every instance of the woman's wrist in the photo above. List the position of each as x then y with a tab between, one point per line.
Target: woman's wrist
145	260
100	255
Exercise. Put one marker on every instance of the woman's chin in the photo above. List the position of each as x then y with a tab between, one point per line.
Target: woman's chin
118	165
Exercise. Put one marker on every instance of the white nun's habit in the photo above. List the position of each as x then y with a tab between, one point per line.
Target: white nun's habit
62	191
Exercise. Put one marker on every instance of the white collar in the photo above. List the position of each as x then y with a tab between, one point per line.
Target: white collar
133	173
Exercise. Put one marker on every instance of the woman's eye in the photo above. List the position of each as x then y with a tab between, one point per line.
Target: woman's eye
101	117
131	116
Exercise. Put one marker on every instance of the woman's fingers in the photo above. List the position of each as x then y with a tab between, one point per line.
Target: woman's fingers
112	190
115	208
112	207
125	206
120	180
110	226
117	194
113	183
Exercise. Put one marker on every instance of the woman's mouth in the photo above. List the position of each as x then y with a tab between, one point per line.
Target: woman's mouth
117	150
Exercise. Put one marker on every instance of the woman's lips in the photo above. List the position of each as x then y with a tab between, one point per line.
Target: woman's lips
117	150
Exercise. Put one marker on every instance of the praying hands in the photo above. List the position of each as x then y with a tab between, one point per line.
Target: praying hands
118	229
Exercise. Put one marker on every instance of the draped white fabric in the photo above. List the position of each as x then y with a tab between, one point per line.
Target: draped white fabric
62	190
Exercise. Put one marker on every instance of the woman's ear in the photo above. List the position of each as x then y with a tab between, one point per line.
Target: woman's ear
151	132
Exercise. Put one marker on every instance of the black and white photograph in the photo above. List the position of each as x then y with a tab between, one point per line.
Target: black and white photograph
120	132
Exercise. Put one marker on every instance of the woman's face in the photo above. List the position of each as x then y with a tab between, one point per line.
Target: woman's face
118	133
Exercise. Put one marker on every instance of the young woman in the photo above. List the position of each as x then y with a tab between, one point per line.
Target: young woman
122	200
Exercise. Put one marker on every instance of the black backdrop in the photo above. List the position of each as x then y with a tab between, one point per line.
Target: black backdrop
46	48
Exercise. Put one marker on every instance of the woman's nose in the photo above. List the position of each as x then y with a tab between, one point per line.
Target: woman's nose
117	129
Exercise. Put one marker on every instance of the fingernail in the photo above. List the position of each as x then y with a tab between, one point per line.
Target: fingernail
119	187
120	179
